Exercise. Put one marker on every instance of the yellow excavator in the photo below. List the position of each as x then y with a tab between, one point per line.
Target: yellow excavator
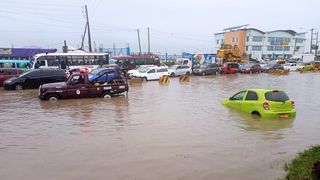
229	53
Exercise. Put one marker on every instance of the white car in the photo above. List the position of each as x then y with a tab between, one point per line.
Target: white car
152	73
135	72
292	66
178	70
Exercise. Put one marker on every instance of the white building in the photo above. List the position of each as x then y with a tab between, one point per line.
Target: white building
268	45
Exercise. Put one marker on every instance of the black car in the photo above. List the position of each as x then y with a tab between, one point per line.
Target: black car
205	69
34	78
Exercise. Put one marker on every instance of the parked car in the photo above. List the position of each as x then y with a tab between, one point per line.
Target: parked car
272	66
292	66
103	74
79	86
230	68
7	73
206	69
153	73
251	68
34	78
262	102
178	70
134	72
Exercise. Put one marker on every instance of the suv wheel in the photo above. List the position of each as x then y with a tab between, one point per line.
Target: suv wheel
18	86
106	94
188	73
204	73
53	97
172	75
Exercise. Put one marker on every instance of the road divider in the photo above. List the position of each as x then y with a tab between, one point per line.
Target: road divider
184	79
164	80
279	72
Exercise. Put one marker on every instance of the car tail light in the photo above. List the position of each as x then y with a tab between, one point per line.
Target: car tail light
66	76
266	106
293	104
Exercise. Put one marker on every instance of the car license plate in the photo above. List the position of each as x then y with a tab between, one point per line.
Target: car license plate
284	116
122	87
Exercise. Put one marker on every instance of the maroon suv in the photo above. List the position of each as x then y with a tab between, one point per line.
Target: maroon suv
7	73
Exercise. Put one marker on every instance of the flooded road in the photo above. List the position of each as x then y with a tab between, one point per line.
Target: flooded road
179	131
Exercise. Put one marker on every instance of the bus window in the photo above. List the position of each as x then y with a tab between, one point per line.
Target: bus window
149	61
139	62
50	63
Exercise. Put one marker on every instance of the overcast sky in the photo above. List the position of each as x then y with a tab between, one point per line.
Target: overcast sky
175	25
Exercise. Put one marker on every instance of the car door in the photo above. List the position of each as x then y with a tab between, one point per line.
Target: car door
236	100
159	73
250	102
162	72
46	76
32	79
151	74
77	87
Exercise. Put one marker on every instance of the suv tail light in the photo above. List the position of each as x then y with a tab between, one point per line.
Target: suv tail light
66	76
266	106
293	104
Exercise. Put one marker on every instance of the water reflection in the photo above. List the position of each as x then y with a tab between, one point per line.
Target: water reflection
249	123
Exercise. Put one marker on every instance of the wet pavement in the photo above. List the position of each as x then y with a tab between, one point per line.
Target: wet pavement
179	131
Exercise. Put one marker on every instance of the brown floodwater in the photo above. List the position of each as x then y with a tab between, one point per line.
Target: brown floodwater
179	131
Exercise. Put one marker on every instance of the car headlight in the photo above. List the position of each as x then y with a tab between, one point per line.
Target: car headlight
8	81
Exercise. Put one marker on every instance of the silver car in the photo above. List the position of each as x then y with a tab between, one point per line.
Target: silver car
178	70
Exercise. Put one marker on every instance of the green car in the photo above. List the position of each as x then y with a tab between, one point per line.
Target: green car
264	103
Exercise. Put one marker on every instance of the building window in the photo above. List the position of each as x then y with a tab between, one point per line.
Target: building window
279	39
246	48
257	39
287	40
270	48
256	48
217	41
271	39
247	38
299	40
286	48
278	48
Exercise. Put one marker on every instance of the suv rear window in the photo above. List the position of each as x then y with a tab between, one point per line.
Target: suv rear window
278	96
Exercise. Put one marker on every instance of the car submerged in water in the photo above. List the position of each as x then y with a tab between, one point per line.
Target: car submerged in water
266	103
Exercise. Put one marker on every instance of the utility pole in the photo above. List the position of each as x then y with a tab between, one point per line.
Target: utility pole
139	41
316	44
311	40
114	49
65	47
148	40
89	36
83	36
